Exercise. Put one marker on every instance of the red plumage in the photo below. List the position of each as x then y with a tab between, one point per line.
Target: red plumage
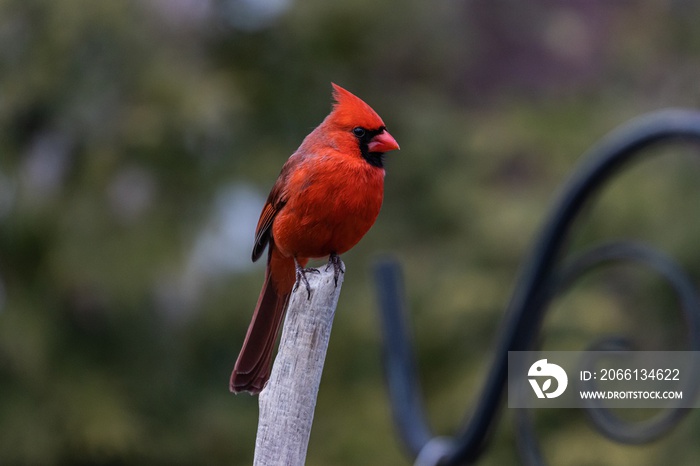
326	198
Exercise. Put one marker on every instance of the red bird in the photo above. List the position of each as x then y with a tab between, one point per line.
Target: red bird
326	198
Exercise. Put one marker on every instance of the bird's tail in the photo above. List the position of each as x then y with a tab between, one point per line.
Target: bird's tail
252	369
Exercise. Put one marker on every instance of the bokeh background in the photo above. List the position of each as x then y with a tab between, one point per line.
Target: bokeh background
139	139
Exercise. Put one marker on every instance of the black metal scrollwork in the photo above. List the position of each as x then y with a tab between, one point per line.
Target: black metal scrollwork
540	279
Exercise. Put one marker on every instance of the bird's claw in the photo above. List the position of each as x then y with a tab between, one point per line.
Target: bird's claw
301	278
334	260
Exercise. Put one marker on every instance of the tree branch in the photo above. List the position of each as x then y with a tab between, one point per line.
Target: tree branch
288	400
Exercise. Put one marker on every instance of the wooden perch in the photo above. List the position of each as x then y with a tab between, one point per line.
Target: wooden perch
288	400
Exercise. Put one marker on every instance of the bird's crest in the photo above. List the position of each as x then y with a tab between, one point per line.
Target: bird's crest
350	111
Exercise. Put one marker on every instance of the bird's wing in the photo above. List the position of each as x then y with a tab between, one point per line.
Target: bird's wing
275	202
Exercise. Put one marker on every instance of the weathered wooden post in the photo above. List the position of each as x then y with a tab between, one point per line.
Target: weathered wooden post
288	400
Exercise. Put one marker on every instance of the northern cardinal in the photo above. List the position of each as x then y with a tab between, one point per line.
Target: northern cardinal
326	198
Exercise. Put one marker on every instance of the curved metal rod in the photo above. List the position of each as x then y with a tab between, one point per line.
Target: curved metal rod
653	428
525	310
602	418
398	358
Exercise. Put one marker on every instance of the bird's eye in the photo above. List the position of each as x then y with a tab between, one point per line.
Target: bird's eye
359	132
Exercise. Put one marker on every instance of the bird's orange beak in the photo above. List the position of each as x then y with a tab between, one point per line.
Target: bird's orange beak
383	142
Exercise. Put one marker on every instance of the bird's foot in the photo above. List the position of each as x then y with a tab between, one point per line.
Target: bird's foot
334	260
301	278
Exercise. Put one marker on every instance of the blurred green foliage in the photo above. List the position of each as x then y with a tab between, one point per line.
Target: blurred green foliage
138	141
